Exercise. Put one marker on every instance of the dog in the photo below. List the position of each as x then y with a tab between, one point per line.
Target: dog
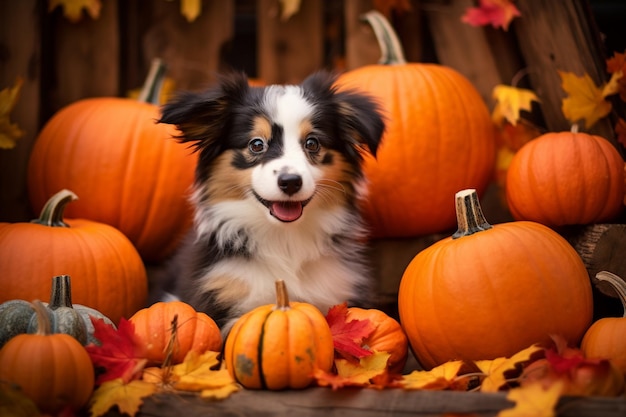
276	193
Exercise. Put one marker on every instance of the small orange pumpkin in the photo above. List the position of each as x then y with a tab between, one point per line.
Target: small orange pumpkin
491	291
388	336
606	338
129	171
195	331
53	370
439	138
107	272
279	346
566	178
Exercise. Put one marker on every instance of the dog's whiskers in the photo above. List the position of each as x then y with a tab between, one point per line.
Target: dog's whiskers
332	184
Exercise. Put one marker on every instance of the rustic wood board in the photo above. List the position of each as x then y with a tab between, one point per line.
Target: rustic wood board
361	403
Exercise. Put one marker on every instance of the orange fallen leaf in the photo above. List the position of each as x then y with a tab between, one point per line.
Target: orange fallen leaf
350	374
442	377
615	64
73	9
127	397
498	371
533	401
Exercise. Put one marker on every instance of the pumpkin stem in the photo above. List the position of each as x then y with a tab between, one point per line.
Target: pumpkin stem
282	298
61	295
390	46
43	320
618	284
52	212
469	214
151	90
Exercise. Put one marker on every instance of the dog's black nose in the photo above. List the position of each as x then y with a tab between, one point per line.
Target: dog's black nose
289	183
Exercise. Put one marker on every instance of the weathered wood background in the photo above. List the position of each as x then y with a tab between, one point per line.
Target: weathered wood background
61	62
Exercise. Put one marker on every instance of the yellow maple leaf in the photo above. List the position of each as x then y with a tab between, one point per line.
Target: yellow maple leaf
533	401
219	393
510	101
368	367
495	370
585	100
9	132
73	9
439	378
127	397
190	9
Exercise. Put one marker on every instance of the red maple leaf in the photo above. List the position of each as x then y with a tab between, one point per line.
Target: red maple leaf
348	335
120	353
498	13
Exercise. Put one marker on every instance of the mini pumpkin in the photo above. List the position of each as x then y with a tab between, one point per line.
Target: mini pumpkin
388	336
107	272
439	138
606	338
566	178
491	291
18	316
278	346
193	330
54	370
129	171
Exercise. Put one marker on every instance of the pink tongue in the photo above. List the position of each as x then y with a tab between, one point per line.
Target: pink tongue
286	211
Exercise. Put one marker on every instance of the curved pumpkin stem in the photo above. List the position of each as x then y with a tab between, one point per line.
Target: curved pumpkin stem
618	284
282	298
469	214
151	89
43	320
390	46
52	212
61	295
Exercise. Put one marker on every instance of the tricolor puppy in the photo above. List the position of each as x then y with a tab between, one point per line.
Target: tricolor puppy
275	194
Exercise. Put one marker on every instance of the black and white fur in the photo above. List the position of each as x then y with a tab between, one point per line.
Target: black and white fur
275	195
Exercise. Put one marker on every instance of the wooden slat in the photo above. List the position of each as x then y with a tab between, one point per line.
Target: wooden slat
191	50
19	43
288	51
560	36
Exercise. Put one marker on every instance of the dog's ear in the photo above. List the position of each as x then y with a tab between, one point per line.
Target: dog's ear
204	117
361	121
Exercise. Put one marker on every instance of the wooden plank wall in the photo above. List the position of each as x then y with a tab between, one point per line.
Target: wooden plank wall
62	62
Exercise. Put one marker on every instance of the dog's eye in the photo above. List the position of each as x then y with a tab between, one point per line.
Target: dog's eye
312	144
257	145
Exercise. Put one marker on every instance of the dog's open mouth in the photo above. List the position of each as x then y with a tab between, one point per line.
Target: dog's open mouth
285	211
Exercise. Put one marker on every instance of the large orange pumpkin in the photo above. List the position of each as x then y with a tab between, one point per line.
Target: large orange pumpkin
491	291
566	178
107	272
439	139
128	170
195	331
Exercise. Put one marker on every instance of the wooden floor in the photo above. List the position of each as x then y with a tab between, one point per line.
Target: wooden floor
362	403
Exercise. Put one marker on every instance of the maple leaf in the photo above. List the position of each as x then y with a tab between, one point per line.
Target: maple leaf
533	400
348	335
9	132
190	9
498	13
73	9
585	100
441	377
121	354
14	403
498	371
617	64
127	397
511	100
354	374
